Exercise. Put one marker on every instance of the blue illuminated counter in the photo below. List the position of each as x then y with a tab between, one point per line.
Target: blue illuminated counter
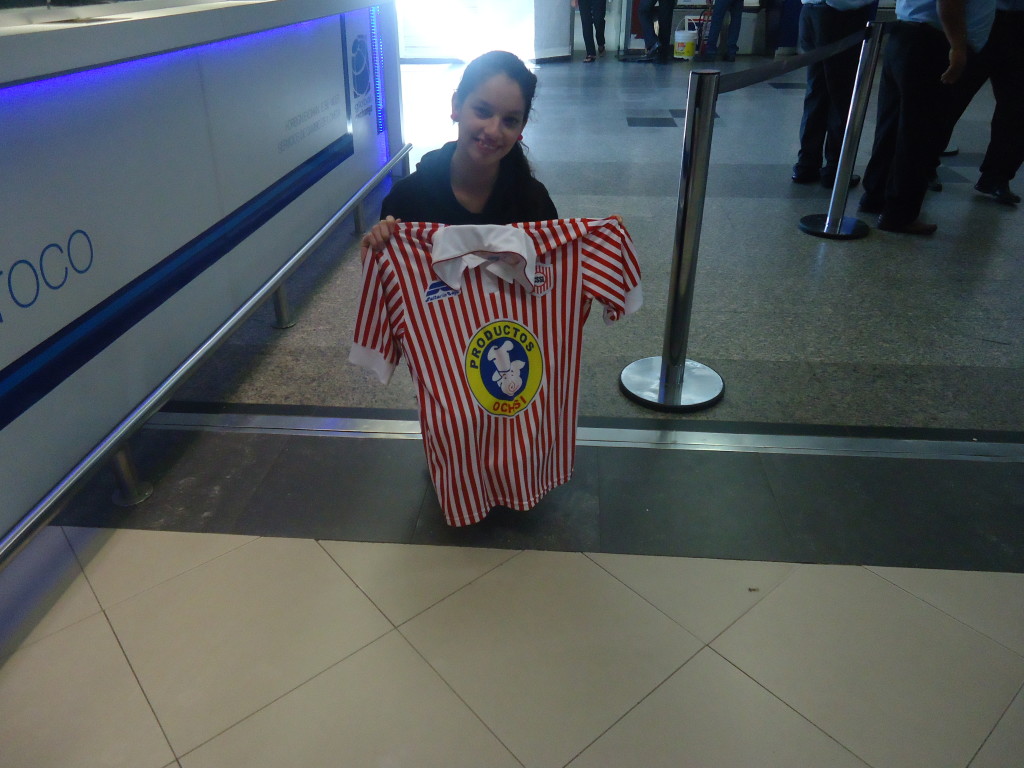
159	167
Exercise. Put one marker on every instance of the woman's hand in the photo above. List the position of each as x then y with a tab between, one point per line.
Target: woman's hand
378	236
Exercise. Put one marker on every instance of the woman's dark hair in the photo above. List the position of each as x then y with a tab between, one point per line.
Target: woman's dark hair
482	69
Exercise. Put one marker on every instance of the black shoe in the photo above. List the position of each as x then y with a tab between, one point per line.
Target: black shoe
828	180
651	53
916	227
705	57
998	191
805	175
729	57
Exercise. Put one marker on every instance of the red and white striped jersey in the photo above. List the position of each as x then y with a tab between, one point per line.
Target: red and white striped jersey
493	347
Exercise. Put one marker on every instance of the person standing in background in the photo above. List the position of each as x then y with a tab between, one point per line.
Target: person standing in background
932	52
829	86
1002	62
735	10
592	19
659	49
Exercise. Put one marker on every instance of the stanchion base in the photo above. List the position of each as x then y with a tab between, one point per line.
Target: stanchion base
850	228
137	495
641	382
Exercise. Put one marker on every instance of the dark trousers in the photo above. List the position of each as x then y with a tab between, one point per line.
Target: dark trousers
1002	62
829	84
592	19
663	14
915	111
718	10
1006	59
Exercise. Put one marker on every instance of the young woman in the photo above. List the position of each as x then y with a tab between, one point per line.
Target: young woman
483	177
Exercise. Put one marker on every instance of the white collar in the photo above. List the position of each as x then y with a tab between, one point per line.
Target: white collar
504	252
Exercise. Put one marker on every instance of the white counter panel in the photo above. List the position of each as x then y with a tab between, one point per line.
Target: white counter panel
122	155
42	48
145	200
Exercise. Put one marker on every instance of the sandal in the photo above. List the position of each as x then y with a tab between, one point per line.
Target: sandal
588	59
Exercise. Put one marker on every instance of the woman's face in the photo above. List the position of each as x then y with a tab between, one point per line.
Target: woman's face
490	119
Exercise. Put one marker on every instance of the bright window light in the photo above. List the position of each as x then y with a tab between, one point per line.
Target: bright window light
464	29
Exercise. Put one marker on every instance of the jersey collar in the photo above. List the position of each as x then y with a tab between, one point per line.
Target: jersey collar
503	252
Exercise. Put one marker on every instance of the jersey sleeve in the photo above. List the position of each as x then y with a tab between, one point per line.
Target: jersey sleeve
375	345
611	272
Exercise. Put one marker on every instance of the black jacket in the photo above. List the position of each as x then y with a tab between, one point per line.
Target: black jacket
426	195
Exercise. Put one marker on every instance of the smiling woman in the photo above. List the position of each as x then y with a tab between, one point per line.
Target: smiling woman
484	176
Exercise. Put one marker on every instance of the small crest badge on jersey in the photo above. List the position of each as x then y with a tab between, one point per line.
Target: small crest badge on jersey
543	279
504	367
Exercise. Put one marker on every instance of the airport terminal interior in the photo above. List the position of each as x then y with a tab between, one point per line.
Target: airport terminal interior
824	568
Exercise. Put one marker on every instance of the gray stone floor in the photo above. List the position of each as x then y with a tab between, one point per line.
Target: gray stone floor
885	331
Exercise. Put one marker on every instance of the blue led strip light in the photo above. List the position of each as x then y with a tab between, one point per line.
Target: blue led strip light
377	57
39	371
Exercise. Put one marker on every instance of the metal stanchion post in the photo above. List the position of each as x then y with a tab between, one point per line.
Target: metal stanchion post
671	382
282	309
834	224
359	220
130	489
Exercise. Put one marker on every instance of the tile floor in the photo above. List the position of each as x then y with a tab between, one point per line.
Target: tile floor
158	648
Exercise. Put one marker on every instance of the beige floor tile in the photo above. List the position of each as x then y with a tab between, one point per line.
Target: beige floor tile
403	579
382	706
992	603
711	714
895	680
122	563
215	644
705	596
549	650
1005	747
42	590
70	699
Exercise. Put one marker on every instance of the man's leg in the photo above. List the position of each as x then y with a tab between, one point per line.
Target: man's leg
597	10
646	13
665	8
587	22
732	46
922	55
814	122
718	11
1005	151
840	73
876	176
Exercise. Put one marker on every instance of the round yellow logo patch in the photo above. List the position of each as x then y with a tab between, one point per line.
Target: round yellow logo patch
504	367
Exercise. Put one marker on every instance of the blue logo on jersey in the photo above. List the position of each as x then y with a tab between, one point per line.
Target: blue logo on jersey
439	290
